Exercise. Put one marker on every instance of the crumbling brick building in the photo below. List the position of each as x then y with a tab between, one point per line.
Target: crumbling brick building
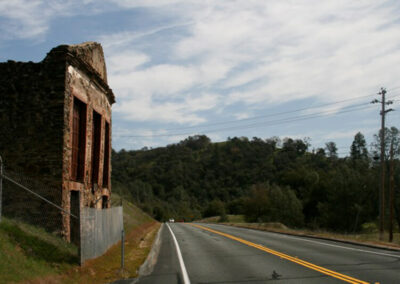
55	124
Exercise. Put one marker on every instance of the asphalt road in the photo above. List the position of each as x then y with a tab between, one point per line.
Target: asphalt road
222	254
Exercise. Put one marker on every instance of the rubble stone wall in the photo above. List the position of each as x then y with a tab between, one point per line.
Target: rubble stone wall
36	107
31	136
32	118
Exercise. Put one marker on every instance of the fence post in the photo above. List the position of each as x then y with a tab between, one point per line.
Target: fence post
1	184
122	248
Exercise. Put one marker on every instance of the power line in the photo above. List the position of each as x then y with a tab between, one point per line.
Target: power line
264	123
283	120
267	115
273	114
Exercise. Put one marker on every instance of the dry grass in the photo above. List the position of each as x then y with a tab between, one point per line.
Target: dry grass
107	268
231	219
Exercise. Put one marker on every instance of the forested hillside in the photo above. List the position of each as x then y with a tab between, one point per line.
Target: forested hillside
266	180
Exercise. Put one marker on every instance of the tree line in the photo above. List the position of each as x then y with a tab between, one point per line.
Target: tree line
266	180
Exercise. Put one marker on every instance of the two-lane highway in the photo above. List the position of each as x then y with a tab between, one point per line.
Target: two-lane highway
199	253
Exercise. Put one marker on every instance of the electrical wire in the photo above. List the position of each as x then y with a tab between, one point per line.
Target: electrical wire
276	114
279	121
264	123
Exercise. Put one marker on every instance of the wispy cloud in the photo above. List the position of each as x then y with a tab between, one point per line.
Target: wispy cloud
254	52
31	19
181	111
21	18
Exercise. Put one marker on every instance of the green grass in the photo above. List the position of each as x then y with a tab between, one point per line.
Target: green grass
30	253
133	216
27	252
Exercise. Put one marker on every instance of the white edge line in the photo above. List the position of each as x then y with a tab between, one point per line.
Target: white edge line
182	264
349	248
337	246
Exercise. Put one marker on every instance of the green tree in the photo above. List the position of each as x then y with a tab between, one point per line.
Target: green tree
392	137
215	208
331	149
271	203
196	178
349	201
358	149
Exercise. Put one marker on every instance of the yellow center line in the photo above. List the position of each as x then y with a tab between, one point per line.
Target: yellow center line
307	264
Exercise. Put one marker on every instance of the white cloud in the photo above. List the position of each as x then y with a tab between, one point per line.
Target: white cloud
181	111
162	80
23	18
31	19
242	115
291	51
126	61
147	3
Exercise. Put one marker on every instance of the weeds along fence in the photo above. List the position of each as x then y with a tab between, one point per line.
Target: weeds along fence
25	199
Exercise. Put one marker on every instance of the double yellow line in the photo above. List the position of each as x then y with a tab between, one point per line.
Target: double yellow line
288	257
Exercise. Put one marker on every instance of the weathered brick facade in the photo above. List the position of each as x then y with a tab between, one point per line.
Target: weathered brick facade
55	124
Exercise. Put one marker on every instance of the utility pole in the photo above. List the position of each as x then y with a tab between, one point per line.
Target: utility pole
1	184
391	196
382	187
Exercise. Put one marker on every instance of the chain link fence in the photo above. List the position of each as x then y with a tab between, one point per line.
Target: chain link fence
25	199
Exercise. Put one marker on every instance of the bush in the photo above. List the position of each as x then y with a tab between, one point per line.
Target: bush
369	227
215	208
223	217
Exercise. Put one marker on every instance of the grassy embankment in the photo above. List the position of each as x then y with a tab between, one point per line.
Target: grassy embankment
31	255
363	237
27	252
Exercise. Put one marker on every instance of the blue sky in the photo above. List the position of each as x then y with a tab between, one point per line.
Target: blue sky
226	68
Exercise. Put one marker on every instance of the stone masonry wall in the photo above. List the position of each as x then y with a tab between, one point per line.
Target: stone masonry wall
36	104
31	117
86	80
80	86
31	129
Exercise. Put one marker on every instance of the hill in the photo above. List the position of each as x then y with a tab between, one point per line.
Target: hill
267	180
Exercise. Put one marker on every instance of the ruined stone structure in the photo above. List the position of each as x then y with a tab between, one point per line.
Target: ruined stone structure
55	125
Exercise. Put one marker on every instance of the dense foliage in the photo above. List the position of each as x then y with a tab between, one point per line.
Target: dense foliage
266	180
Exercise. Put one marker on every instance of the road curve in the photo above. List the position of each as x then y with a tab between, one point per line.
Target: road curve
222	254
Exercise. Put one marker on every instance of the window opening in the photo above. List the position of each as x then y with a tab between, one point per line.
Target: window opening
78	140
74	222
96	147
106	163
104	202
